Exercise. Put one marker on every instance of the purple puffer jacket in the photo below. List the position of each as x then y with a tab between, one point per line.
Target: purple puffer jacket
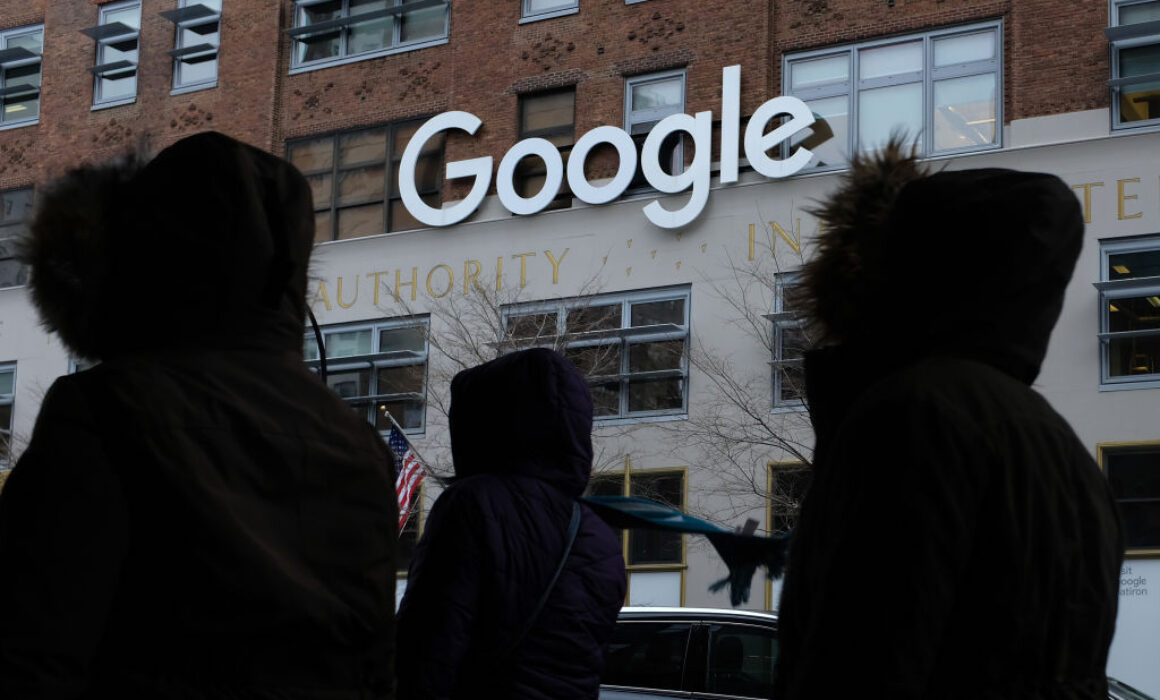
521	439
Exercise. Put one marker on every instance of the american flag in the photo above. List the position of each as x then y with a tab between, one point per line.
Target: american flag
410	473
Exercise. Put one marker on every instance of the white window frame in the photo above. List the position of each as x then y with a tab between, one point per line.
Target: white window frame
13	225
784	321
558	8
1109	291
203	19
107	40
8	400
341	27
376	360
927	77
639	123
19	57
1128	36
625	336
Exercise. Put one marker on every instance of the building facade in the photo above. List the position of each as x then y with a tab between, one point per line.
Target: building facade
631	214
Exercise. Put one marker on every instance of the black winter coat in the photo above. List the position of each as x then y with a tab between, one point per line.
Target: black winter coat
198	516
957	540
520	432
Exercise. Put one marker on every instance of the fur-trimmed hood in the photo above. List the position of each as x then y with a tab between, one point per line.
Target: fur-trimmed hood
971	262
206	245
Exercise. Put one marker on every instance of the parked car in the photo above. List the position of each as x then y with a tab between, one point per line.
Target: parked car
707	653
690	653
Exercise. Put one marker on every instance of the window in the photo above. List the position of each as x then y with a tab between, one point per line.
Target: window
1134	38
655	558
352	176
788	483
15	211
789	345
1130	313
7	391
332	31
20	58
550	116
1133	472
647	100
741	660
647	655
632	347
942	88
116	67
198	32
543	9
380	369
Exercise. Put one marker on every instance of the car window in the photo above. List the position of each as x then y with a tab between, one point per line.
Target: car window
741	659
647	654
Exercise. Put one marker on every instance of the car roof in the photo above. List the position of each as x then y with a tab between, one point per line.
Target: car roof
727	614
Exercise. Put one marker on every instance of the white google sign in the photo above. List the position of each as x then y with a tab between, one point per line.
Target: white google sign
697	175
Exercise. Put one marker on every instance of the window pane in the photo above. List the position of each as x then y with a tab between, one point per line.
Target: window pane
654	546
586	319
408	413
646	395
7	383
356	222
595	360
33	41
789	486
538	6
829	135
15	206
964	112
403	220
1134	475
647	655
403	136
605	399
554	110
361	184
363	147
819	71
527	326
12	272
741	659
313	155
319	47
657	94
605	485
117	88
348	343
953	50
1139	101
1144	12
648	357
408	338
428	170
1142	263
322	227
130	16
351	383
401	380
890	60
320	12
369	35
651	313
884	111
419	25
320	189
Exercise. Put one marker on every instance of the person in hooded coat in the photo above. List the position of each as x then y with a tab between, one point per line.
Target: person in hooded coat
198	515
521	443
958	540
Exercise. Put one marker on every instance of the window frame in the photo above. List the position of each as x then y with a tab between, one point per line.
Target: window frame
8	400
390	163
1109	291
561	8
341	26
927	76
17	57
1103	451
19	226
376	360
1128	36
625	336
639	123
783	321
123	68
625	476
195	16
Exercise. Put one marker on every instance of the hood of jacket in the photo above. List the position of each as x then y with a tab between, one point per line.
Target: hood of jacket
205	245
972	263
528	413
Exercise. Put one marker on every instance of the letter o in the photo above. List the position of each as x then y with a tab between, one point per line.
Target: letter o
625	148
504	177
450	281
